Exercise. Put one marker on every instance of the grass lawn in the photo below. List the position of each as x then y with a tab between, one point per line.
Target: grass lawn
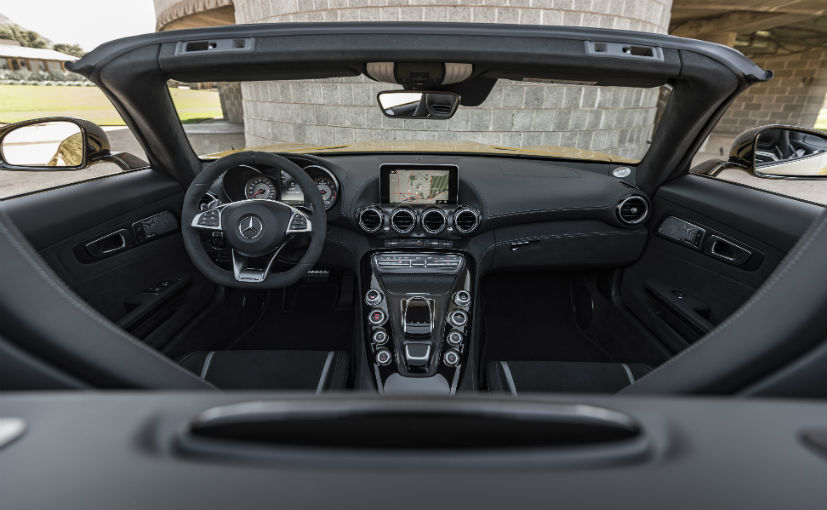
23	102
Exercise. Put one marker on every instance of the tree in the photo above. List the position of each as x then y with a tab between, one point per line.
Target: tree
69	49
28	38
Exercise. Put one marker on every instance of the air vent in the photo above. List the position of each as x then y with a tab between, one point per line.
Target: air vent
632	210
466	220
403	220
370	220
441	108
433	221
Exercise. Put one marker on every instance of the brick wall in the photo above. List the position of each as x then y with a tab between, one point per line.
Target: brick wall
339	111
793	96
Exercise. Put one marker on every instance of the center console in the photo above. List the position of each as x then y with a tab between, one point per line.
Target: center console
417	309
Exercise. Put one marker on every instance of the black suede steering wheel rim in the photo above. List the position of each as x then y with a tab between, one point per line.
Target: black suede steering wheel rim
272	166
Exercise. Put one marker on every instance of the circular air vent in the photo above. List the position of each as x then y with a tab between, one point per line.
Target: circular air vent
632	210
434	221
403	220
370	219
466	220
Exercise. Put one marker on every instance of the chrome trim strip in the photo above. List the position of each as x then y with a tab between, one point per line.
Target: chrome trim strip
206	367
325	371
509	379
628	373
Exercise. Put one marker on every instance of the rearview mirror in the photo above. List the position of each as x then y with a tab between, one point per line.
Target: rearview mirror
54	143
790	152
410	104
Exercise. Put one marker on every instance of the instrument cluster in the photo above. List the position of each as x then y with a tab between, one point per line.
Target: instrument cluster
247	182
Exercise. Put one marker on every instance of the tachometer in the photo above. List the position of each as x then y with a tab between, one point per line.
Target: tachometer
260	188
327	188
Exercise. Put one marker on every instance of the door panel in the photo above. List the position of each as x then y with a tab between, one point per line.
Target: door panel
148	286
711	245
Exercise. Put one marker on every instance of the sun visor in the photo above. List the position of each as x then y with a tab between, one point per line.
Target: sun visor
421	75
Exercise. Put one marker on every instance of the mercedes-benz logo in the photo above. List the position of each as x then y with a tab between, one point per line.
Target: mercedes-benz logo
250	227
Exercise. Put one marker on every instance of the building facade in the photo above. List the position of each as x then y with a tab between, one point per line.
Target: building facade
787	37
14	57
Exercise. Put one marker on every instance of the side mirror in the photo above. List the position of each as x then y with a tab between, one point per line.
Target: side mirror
411	104
53	143
782	152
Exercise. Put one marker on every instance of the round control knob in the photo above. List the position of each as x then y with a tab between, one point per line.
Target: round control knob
383	357
376	317
457	318
462	298
380	337
454	338
451	358
373	297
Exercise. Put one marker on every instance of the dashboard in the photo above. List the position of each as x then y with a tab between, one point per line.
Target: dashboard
401	200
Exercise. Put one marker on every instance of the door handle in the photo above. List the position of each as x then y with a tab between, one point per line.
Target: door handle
109	244
726	250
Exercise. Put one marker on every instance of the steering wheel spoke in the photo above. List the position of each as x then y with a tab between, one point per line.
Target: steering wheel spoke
299	222
209	220
245	274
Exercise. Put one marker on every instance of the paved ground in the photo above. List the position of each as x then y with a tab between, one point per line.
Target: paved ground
205	137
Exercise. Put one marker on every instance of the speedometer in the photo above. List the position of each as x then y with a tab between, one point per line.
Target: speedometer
260	188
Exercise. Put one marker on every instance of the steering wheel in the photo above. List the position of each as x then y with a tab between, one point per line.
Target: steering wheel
256	230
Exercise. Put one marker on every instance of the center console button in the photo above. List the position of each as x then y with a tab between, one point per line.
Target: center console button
380	337
451	358
462	298
383	357
377	317
373	297
454	338
458	318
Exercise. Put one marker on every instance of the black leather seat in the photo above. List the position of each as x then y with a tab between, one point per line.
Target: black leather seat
562	376
270	370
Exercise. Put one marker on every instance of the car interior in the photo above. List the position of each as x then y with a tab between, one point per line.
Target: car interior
420	271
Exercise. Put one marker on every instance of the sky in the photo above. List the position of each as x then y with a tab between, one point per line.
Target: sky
88	23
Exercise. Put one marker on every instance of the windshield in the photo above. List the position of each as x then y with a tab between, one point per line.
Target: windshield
528	117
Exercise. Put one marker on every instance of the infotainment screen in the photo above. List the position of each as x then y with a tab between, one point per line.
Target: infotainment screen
418	185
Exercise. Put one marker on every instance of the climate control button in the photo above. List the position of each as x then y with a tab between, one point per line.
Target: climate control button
380	337
462	298
451	358
373	297
458	318
377	317
383	357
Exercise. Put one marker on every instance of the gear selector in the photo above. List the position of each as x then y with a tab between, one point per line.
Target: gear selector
417	316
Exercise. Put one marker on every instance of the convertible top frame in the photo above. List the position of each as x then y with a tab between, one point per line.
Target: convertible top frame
705	77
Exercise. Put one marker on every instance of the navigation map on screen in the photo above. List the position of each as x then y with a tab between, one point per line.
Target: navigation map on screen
418	186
